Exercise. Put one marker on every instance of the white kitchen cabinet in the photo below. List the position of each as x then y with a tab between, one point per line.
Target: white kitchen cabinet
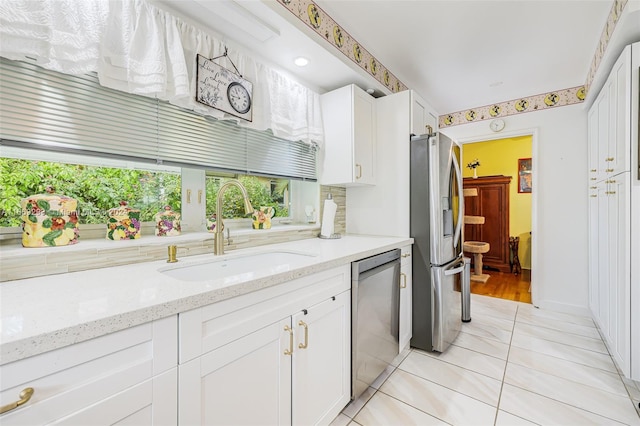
406	289
244	361
321	371
614	196
383	209
349	153
421	116
126	377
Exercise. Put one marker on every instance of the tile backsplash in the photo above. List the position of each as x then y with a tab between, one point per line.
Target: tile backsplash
20	263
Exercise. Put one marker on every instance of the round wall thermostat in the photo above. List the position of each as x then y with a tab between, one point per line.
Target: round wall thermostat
497	125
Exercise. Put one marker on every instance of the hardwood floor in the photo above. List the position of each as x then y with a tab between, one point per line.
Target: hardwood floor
505	285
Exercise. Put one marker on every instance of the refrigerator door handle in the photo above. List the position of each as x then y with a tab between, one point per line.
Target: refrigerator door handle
459	267
456	235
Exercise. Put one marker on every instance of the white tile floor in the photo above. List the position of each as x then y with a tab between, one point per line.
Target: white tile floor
512	365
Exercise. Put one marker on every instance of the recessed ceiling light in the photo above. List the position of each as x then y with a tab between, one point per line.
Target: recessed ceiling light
301	62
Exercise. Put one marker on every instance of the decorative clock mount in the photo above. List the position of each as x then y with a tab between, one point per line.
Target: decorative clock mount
223	89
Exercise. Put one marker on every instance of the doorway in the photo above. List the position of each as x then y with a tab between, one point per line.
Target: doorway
498	208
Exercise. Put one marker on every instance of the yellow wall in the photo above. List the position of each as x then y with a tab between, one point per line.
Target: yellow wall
500	157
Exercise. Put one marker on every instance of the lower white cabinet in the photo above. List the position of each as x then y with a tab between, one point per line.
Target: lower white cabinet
406	301
280	356
277	356
127	377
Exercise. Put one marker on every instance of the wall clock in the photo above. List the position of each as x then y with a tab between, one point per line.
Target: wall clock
497	125
222	89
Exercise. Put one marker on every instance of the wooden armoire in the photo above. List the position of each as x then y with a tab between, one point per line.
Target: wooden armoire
492	203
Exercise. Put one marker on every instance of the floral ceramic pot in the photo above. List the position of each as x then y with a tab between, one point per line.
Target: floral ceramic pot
211	224
167	223
261	218
49	220
124	223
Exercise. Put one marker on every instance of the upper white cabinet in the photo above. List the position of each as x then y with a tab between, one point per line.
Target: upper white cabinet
398	117
421	116
609	129
614	212
279	356
349	153
127	377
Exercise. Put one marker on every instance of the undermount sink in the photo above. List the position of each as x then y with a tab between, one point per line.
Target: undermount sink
261	263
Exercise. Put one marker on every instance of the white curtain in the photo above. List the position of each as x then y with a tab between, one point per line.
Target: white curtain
137	48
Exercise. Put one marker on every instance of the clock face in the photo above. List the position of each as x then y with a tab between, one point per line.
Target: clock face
239	97
497	125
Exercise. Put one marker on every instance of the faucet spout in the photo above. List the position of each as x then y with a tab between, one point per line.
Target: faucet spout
218	243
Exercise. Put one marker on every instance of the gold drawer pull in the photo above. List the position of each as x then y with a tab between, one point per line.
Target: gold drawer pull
404	280
593	196
593	170
359	175
608	170
306	335
406	255
609	159
24	396
594	187
610	192
290	350
593	178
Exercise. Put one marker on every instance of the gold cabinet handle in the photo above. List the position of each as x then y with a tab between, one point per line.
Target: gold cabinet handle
199	196
608	170
593	187
24	396
610	181
593	196
593	178
406	255
609	159
404	280
188	196
610	192
306	335
290	331
593	170
359	175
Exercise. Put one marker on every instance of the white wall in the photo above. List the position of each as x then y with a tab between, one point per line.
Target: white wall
559	216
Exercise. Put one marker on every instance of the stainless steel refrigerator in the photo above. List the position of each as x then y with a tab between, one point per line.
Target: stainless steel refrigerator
436	225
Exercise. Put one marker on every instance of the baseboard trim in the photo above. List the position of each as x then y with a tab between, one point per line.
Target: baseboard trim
563	307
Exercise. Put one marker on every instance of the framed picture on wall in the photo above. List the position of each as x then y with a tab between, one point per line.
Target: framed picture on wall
524	175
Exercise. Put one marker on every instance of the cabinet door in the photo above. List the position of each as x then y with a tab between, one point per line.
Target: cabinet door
593	143
618	155
406	285
603	260
364	148
321	381
104	380
247	381
594	251
620	270
418	115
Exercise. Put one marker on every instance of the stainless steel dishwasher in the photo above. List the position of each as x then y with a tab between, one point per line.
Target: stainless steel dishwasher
375	309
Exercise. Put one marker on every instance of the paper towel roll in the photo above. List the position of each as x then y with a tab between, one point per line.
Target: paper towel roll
328	216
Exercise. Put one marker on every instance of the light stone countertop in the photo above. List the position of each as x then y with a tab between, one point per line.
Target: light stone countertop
45	313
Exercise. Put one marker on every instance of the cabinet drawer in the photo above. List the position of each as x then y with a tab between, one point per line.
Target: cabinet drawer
205	329
68	380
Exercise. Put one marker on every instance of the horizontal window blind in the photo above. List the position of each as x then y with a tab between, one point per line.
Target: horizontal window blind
44	109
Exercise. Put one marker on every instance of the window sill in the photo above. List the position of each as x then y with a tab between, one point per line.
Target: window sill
19	262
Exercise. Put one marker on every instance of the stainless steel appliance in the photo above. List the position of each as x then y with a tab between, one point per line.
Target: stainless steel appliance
375	305
436	227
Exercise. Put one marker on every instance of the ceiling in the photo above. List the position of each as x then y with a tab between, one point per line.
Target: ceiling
456	54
